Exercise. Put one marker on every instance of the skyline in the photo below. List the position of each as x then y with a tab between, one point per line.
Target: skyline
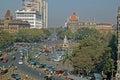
59	10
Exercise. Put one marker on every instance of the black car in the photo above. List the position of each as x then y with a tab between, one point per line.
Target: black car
0	54
1	58
4	71
16	76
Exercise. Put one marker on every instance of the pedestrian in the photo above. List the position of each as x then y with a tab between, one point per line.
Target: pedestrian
40	74
26	76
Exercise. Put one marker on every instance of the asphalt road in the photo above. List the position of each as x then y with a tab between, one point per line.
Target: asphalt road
23	67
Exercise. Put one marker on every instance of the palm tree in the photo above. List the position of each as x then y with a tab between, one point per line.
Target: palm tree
68	58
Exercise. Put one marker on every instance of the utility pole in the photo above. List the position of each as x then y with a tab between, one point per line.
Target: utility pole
118	37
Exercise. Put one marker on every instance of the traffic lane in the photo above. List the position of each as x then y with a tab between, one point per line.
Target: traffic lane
24	68
31	72
9	57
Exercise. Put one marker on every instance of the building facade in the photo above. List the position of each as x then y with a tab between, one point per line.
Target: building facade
74	23
13	25
33	17
104	27
35	12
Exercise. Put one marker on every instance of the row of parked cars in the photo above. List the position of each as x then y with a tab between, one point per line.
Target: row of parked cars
14	75
45	67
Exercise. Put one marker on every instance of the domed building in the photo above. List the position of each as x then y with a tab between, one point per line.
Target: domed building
74	17
74	23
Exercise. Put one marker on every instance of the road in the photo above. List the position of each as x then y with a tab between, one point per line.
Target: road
24	68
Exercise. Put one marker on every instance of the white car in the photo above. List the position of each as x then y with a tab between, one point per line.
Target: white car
20	62
58	59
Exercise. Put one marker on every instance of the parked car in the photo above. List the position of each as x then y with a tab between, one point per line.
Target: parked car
5	60
4	71
90	76
0	54
58	59
1	58
32	61
70	79
20	61
37	64
59	72
94	76
43	65
49	68
16	76
13	57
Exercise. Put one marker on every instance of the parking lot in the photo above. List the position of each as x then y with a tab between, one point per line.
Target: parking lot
57	64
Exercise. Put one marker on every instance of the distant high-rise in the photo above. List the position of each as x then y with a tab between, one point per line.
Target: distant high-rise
35	12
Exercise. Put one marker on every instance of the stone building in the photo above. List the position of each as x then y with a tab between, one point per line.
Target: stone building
74	23
104	27
13	25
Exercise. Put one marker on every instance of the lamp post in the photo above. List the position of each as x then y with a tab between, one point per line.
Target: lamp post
118	37
27	50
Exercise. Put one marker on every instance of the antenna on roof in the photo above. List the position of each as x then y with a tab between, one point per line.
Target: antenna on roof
23	4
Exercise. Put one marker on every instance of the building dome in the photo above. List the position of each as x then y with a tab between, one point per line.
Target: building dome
74	17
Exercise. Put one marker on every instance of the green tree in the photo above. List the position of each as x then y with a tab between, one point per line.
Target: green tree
67	59
6	39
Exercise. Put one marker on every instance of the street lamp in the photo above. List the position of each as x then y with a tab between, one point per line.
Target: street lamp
27	52
118	37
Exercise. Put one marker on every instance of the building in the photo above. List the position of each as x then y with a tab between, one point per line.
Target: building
74	23
12	25
104	27
33	17
35	12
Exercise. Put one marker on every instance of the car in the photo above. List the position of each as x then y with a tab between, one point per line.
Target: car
1	58
32	61
58	59
13	57
42	65
96	76
59	72
70	79
20	61
5	60
90	76
50	59
37	64
49	68
0	54
16	76
4	71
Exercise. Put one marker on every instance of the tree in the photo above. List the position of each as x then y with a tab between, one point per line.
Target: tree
32	35
92	45
6	39
68	59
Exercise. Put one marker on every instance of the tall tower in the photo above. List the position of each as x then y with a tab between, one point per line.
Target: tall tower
118	35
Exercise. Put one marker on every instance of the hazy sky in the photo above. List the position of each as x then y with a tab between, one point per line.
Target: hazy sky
60	10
